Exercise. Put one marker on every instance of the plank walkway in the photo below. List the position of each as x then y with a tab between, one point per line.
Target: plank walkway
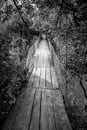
40	106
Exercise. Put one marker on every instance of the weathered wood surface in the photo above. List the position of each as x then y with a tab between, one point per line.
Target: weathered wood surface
40	106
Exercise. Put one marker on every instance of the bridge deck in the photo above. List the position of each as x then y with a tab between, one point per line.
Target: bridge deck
40	106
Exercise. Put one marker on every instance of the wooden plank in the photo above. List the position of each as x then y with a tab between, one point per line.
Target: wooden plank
43	62
13	114
10	122
48	79
38	72
53	78
30	83
33	73
23	117
42	78
49	59
39	62
40	59
62	122
37	54
35	61
36	81
33	64
47	120
35	120
46	61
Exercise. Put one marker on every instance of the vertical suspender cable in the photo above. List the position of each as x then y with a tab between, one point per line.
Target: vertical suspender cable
66	58
59	40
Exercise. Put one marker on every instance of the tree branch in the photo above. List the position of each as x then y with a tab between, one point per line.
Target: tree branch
75	20
20	15
29	30
59	12
68	7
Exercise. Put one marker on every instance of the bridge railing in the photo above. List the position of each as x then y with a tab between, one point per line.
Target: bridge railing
56	63
31	52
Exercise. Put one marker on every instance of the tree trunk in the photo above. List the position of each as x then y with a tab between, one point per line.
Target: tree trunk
82	86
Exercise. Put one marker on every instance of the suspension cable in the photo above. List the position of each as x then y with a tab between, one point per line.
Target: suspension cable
21	16
66	58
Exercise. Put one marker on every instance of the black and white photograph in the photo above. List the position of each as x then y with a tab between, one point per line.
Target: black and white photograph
43	64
